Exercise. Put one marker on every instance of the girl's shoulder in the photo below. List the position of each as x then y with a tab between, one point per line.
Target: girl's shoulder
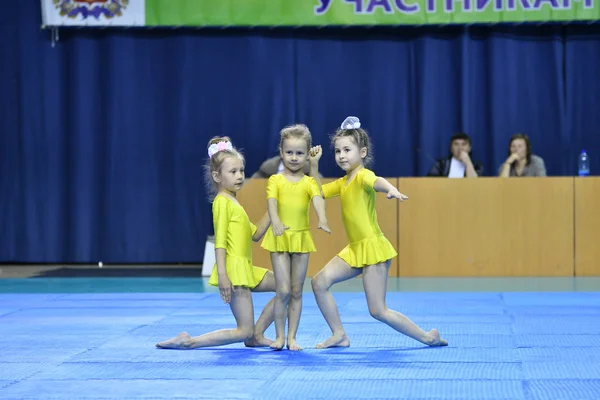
221	201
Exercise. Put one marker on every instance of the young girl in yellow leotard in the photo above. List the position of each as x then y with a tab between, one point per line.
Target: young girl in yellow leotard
369	252
233	272
289	240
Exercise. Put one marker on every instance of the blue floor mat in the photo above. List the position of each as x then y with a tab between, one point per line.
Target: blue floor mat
101	346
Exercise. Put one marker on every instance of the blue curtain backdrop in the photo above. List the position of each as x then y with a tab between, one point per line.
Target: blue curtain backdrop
103	137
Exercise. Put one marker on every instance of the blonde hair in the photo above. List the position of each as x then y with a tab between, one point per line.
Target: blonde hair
215	162
360	137
298	131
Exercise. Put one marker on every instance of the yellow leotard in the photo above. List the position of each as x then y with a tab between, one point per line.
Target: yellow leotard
233	232
293	202
368	245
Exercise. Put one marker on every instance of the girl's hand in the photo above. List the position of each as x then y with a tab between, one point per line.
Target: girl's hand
395	194
325	226
225	288
278	228
315	154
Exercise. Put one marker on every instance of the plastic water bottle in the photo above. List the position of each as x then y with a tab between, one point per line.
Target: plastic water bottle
584	164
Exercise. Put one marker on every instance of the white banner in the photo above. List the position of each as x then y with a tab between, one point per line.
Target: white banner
94	12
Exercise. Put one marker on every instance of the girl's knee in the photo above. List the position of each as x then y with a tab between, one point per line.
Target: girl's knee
377	312
247	332
283	292
320	283
297	291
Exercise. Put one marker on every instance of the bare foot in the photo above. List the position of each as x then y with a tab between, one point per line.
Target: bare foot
292	345
436	340
181	341
277	344
335	341
258	341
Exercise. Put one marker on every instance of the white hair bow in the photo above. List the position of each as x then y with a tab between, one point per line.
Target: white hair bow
351	123
217	147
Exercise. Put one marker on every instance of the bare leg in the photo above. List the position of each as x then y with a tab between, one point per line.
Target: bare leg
281	268
243	311
266	316
375	283
336	270
298	276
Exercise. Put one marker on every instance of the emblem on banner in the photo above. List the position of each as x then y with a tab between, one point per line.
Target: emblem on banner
90	8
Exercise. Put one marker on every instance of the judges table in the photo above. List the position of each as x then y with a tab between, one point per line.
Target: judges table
470	227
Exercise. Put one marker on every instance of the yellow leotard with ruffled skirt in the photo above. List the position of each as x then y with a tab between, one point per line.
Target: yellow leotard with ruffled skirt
293	203
368	245
233	232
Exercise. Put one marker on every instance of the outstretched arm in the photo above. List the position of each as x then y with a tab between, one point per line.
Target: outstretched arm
261	227
382	185
319	205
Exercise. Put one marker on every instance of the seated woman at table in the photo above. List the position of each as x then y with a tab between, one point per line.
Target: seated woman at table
521	161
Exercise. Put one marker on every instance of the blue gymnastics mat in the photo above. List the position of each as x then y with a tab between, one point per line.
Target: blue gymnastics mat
100	345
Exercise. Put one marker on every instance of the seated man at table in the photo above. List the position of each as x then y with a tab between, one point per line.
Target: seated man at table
458	164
